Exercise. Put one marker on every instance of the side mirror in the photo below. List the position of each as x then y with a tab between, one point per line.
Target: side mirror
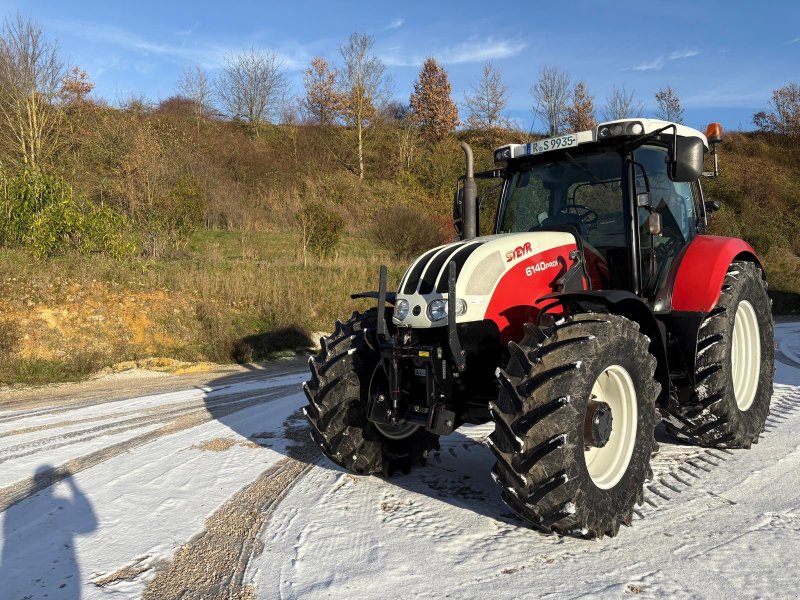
654	224
712	206
687	164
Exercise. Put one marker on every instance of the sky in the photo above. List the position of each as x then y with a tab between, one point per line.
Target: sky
723	58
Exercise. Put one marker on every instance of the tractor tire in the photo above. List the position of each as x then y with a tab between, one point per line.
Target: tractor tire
338	400
552	465
734	367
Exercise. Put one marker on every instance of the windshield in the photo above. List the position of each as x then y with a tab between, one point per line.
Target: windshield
584	191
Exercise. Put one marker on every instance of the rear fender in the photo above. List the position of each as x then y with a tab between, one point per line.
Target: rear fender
700	270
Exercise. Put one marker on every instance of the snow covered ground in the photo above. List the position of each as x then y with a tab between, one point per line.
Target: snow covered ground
211	490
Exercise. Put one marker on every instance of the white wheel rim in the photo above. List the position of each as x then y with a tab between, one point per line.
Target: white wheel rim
745	355
608	464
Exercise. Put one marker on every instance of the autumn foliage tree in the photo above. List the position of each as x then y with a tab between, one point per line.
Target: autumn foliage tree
580	114
433	108
669	105
323	103
783	115
75	87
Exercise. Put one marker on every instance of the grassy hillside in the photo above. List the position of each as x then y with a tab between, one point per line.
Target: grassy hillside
203	259
759	188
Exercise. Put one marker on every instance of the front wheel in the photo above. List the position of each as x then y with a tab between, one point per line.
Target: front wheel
574	423
343	376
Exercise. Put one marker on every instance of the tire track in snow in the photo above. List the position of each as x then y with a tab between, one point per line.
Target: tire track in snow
677	467
18	491
213	564
151	417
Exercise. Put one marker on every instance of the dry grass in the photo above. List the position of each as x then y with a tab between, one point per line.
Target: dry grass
232	296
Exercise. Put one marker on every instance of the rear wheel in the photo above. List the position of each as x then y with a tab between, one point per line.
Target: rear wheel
343	376
574	424
734	367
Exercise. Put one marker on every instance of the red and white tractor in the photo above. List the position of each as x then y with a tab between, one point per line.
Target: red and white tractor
596	307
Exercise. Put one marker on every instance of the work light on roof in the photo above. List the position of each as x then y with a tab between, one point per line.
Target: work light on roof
622	128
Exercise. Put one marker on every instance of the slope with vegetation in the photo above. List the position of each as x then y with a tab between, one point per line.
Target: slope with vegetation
226	224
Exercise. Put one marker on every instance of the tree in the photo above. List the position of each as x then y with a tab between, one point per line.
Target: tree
75	87
323	102
784	116
363	87
488	101
252	86
580	114
31	76
621	104
669	105
431	103
551	98
194	84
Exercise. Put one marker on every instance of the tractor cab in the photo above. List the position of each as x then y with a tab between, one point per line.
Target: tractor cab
628	189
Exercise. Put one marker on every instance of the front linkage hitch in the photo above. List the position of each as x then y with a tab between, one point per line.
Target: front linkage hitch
439	364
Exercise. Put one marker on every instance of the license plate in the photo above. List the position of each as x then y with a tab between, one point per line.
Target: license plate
420	372
556	143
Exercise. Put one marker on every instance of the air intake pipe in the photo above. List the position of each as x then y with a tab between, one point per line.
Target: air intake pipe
470	214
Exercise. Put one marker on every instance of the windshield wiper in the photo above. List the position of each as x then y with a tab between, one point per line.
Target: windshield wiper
585	170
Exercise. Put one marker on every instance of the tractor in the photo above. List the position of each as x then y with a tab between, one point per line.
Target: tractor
594	307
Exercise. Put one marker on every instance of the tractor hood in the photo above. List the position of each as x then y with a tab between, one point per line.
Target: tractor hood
499	277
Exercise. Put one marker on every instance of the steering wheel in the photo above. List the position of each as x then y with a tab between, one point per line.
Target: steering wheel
583	212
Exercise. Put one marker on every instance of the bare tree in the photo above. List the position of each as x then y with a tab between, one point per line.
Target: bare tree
323	102
669	105
621	104
488	101
252	86
193	84
31	77
364	86
551	98
433	107
784	112
580	113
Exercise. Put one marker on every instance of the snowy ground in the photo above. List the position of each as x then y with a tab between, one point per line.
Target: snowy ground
208	488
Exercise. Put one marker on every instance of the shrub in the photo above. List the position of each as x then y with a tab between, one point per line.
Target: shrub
41	214
407	231
321	229
173	218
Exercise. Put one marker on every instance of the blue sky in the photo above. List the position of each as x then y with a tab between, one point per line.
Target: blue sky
723	58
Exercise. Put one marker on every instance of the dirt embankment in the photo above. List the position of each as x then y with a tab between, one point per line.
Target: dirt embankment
94	323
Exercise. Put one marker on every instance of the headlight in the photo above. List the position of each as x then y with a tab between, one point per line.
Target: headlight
401	310
616	129
437	310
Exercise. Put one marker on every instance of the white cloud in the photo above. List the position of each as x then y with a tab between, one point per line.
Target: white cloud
794	41
658	63
395	24
682	54
467	52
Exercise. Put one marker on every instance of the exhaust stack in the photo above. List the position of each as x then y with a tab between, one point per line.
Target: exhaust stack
470	214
